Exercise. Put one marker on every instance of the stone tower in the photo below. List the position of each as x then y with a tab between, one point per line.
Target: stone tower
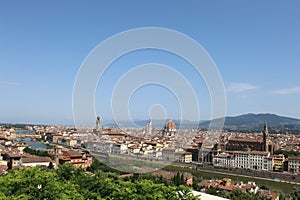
265	137
149	128
98	123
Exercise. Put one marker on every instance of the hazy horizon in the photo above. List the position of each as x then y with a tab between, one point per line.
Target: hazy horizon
106	122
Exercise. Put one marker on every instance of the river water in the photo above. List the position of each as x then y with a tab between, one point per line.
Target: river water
34	144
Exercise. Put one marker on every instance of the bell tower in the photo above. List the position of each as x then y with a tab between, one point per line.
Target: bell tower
98	123
265	137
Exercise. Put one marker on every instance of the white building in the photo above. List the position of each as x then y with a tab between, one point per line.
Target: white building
204	196
149	128
294	164
33	161
255	160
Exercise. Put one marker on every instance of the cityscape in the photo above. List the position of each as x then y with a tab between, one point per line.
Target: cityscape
274	157
150	100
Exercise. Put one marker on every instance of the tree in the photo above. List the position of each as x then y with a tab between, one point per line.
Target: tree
50	166
69	182
34	183
66	171
182	179
296	193
238	194
38	152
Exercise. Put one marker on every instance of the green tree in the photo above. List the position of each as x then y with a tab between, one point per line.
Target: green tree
69	182
34	183
50	166
38	152
296	193
238	194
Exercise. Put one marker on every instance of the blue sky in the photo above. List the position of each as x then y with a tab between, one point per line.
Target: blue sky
255	45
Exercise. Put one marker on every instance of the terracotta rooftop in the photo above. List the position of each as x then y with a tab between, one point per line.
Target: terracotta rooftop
294	158
250	140
35	159
183	153
73	154
251	152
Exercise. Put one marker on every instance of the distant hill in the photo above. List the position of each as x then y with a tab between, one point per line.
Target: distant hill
156	123
247	122
253	122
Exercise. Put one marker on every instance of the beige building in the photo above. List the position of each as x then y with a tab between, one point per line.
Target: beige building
3	162
294	165
72	142
168	154
184	157
56	137
12	158
76	158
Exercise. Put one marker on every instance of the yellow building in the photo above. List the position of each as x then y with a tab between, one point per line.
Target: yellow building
184	157
278	162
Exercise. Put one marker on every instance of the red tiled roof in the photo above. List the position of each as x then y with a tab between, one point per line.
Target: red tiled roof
250	140
73	154
35	159
183	153
294	158
251	152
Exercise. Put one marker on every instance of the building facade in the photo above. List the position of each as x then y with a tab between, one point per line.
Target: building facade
244	160
252	144
76	158
294	165
278	162
184	157
170	128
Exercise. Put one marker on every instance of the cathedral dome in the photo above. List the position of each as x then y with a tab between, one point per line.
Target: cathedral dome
170	125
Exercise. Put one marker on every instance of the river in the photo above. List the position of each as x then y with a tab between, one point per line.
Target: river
34	144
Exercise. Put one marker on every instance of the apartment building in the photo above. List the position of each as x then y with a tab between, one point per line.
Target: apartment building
294	165
255	160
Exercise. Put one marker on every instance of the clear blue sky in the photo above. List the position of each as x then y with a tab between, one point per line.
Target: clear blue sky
255	44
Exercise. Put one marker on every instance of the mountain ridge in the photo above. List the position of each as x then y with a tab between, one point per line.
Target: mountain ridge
244	122
251	121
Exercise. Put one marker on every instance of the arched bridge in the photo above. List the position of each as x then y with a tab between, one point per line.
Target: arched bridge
32	136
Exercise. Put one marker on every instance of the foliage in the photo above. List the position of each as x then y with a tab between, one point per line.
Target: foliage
73	183
196	180
38	152
34	183
97	165
263	187
155	179
296	193
238	194
178	179
50	166
287	153
213	191
234	195
283	187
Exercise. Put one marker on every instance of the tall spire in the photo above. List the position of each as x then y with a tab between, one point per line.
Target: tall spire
98	123
266	131
149	127
265	136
